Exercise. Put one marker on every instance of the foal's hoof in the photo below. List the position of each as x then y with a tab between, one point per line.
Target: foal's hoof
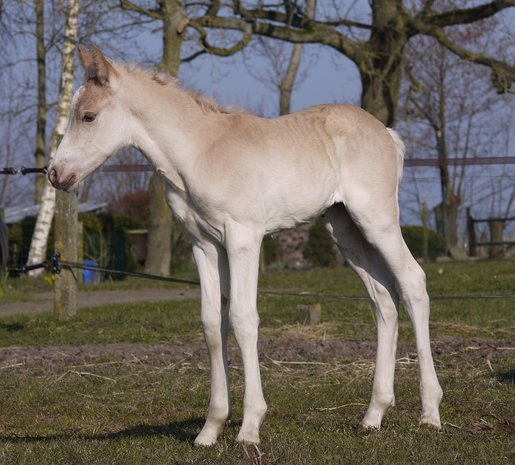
248	437
204	440
431	421
368	430
431	426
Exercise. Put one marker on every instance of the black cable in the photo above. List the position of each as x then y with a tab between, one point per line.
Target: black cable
56	265
23	170
134	274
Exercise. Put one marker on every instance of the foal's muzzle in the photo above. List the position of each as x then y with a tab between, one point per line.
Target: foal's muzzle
60	181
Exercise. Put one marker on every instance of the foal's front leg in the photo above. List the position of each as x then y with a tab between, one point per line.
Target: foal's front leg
243	246
213	269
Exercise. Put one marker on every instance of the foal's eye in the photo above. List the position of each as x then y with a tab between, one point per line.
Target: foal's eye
89	117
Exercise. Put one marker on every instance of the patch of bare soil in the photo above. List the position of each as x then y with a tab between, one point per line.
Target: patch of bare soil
48	359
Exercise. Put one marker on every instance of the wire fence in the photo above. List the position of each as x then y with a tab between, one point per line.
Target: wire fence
55	264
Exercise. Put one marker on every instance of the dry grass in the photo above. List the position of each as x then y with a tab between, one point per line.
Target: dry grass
130	384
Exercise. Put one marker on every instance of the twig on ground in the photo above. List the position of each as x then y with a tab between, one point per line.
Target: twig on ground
452	425
82	373
12	365
330	409
287	362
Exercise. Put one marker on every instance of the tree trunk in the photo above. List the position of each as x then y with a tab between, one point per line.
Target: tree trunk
380	62
285	93
286	84
446	217
452	205
173	17
160	228
288	81
40	153
450	200
39	241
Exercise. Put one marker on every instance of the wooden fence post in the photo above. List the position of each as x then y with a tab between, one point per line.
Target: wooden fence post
66	243
496	225
425	233
471	235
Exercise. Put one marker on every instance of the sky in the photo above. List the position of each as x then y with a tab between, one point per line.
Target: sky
327	77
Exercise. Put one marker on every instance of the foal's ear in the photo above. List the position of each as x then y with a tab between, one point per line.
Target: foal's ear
97	67
85	57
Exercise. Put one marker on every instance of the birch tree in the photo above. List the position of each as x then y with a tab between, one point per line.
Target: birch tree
38	246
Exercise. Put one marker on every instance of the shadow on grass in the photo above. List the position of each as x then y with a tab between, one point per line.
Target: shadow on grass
184	431
506	377
11	327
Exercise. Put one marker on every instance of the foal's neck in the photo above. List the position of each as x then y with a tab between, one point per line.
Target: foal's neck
168	126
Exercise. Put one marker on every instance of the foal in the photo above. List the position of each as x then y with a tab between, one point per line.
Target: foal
234	177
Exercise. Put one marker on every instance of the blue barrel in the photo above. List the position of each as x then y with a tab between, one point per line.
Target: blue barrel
88	276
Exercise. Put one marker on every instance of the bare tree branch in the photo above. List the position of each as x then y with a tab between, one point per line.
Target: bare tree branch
155	13
245	28
503	74
317	32
193	56
468	15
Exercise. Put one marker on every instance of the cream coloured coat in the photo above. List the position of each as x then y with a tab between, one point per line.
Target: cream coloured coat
233	177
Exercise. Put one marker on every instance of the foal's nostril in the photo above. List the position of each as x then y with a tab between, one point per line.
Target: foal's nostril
52	176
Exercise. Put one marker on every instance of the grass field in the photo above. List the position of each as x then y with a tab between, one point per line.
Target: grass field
129	384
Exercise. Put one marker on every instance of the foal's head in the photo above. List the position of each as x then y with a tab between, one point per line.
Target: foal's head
98	125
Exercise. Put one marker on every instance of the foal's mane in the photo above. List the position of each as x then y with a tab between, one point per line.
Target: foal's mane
206	104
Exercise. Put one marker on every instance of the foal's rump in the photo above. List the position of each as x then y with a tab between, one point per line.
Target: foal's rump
352	156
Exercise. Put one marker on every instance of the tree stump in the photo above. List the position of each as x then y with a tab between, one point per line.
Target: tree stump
309	314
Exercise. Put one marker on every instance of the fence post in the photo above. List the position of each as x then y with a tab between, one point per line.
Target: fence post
497	226
425	233
80	250
66	232
471	235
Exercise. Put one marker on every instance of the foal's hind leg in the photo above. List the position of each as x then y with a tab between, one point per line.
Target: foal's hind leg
380	284
380	227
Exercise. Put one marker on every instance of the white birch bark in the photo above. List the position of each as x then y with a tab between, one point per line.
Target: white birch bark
38	246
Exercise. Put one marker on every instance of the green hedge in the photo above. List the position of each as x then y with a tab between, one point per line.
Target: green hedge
113	239
105	240
271	250
320	249
413	237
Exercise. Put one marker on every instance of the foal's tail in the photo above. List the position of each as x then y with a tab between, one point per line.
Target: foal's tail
399	148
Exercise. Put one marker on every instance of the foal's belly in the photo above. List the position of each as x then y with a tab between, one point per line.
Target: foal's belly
267	206
299	201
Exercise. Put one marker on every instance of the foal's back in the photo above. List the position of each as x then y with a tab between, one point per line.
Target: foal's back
294	167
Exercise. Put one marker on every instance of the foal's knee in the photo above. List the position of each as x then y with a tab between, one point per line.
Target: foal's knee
212	327
245	323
